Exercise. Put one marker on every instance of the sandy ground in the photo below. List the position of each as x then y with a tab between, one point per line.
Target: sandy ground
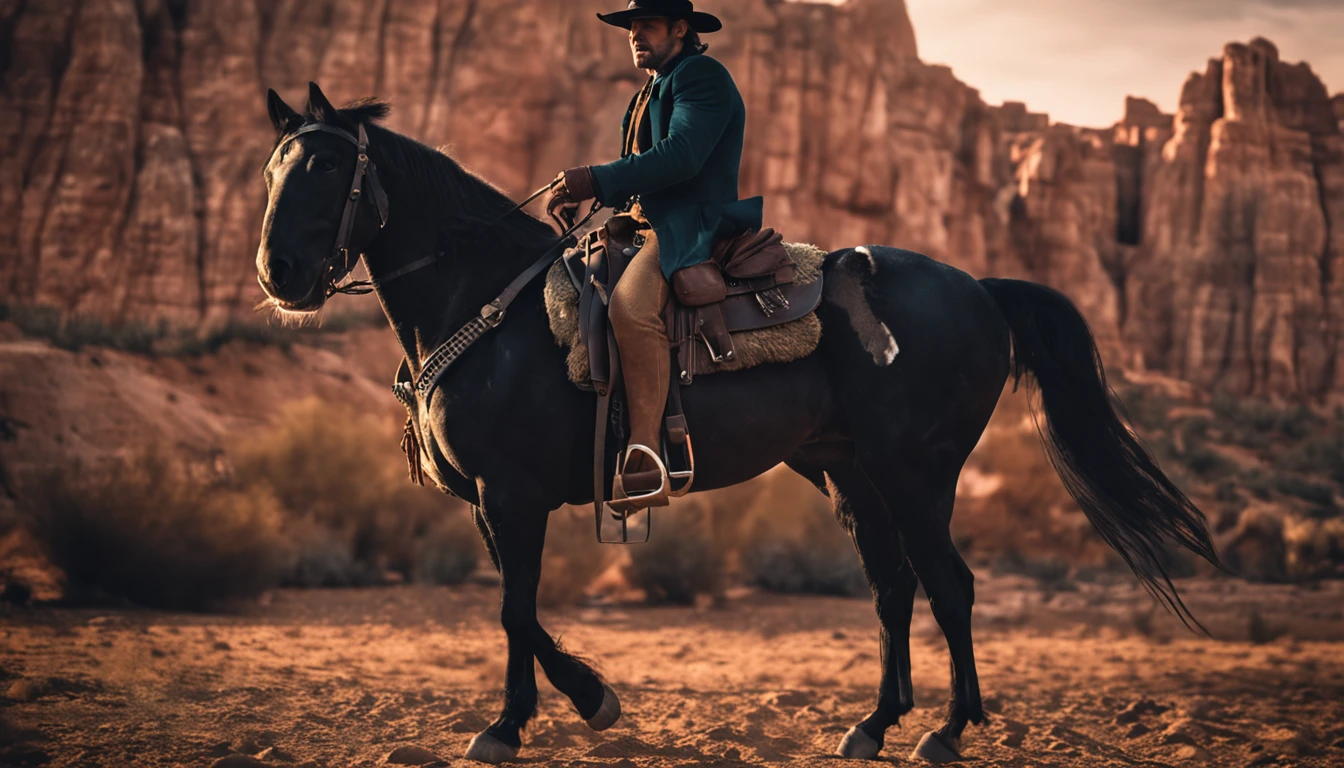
341	678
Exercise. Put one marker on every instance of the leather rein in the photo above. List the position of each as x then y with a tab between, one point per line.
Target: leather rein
338	263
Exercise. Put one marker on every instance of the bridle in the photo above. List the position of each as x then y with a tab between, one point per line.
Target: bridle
338	263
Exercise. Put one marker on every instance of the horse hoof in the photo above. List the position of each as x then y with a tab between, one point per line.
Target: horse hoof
485	748
857	745
933	748
608	713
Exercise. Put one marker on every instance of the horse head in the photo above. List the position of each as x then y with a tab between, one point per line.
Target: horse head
317	219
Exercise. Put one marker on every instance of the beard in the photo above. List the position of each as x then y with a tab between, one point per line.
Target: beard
653	57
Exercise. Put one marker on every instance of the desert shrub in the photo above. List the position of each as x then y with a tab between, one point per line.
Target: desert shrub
344	491
74	332
448	552
146	530
802	550
1207	463
1316	493
681	560
792	566
573	559
351	512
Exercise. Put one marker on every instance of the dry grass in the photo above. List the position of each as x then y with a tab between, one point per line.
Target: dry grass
573	559
145	530
353	515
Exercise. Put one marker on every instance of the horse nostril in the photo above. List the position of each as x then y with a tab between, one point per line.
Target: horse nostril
279	271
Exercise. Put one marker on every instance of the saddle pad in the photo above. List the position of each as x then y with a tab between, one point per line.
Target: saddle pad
776	344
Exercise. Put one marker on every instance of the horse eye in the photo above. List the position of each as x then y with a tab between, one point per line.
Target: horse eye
321	163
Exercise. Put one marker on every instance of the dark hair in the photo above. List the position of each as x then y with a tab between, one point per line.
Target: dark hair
691	42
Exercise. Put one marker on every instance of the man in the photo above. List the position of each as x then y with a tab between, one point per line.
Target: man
682	145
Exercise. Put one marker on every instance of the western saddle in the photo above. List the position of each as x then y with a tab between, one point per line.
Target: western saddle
747	284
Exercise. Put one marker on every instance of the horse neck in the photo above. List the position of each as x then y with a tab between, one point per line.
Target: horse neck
475	261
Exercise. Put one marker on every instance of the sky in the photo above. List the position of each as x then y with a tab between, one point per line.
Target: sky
1078	59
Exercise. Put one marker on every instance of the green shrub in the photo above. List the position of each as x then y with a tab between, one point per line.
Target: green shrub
145	530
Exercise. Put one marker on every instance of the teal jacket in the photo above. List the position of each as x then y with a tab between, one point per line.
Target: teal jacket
687	179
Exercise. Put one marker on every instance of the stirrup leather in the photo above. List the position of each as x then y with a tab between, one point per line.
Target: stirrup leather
623	503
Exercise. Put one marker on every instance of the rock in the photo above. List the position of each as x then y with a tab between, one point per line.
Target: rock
787	699
1136	730
237	761
275	754
411	755
1137	709
1182	731
27	690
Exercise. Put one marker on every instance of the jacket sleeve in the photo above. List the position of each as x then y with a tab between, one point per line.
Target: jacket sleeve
702	105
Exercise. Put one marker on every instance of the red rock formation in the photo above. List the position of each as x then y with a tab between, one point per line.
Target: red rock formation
1205	245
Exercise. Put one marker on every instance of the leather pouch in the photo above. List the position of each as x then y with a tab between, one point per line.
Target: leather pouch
699	285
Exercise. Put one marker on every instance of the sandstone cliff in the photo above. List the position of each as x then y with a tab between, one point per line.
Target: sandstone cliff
1203	244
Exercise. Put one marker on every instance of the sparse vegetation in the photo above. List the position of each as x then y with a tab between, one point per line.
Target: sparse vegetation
348	506
74	332
145	530
681	560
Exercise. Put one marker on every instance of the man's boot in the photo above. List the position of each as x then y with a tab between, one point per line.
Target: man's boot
637	320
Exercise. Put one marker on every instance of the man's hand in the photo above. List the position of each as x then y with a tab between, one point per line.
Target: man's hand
568	191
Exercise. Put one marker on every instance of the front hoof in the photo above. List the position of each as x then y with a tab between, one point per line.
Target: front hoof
857	745
485	748
933	748
608	713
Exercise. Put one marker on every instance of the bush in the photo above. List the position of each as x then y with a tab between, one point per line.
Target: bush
145	530
572	559
802	550
681	560
350	509
448	552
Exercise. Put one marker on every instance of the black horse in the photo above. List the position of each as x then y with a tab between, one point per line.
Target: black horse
884	432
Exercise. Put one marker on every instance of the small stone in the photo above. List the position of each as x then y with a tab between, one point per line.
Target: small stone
238	761
786	699
220	645
732	754
1013	740
277	754
26	690
1137	730
245	745
411	755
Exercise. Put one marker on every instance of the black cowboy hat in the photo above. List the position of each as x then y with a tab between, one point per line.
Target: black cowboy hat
672	9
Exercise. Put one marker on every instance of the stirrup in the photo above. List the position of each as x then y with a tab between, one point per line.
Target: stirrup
681	479
623	504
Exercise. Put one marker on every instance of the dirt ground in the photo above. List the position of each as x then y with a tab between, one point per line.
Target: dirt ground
1089	676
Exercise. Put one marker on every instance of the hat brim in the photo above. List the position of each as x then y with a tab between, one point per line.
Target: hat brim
699	20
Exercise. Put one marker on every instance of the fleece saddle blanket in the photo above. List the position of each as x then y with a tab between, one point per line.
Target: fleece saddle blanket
776	344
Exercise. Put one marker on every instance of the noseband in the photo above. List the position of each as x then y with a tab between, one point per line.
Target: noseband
338	264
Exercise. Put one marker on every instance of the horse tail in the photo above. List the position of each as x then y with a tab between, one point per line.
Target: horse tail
1132	504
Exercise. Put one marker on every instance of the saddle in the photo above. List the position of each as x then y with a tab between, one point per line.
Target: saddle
748	284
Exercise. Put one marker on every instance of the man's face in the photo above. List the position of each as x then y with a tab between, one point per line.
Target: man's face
654	42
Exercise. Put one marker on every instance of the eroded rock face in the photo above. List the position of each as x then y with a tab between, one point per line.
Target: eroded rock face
1204	244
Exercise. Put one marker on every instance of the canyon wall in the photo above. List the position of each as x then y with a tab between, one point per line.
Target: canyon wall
1202	244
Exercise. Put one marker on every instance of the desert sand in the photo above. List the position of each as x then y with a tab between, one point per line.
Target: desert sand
1090	675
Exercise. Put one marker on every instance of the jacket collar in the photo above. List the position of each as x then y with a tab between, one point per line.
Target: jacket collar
672	63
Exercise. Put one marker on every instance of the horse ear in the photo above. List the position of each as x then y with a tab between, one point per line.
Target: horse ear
280	112
321	108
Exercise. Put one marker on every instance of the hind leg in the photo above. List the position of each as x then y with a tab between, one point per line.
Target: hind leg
864	515
950	586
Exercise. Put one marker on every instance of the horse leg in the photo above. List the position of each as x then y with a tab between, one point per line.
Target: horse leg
950	586
595	701
518	540
861	510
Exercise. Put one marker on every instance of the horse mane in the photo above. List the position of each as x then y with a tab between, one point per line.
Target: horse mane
471	204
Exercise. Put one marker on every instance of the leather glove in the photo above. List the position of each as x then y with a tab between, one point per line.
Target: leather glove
570	188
